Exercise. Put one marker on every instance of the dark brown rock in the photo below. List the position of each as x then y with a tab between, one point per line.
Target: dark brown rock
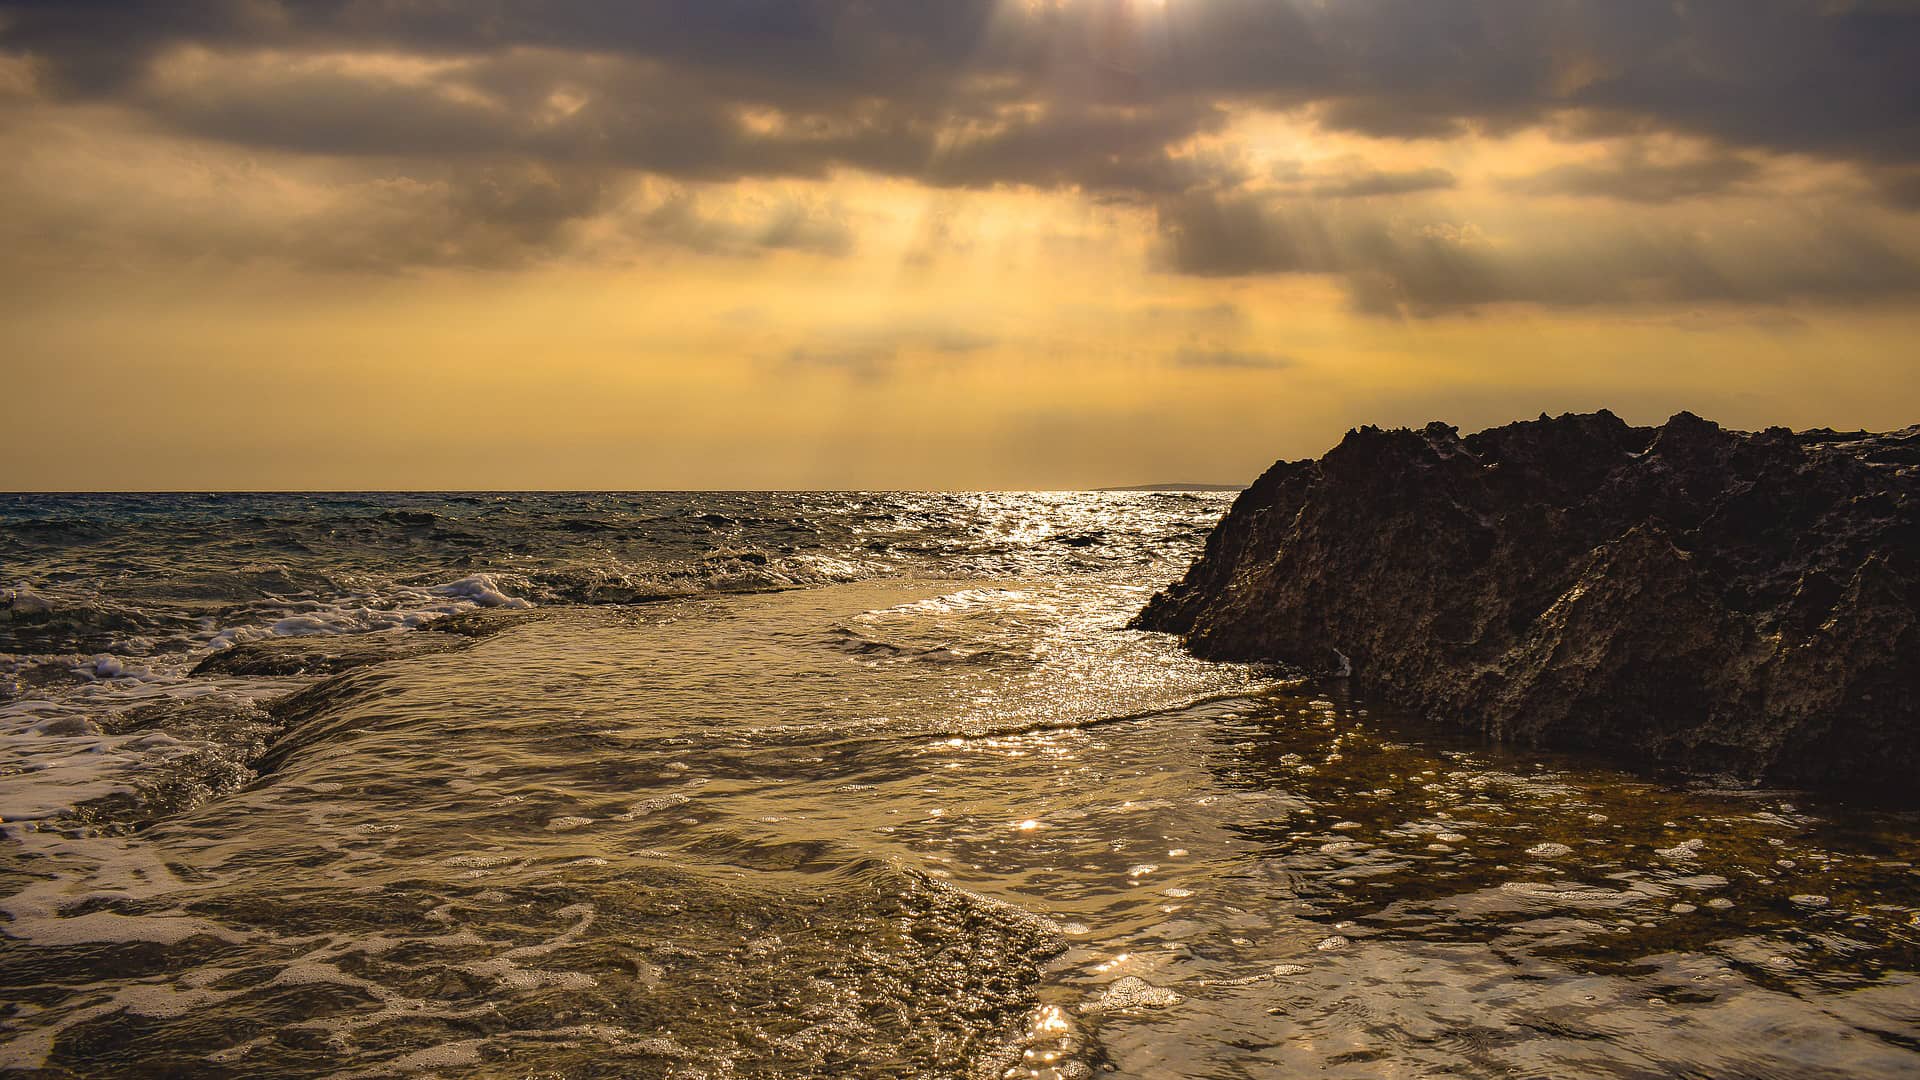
1683	595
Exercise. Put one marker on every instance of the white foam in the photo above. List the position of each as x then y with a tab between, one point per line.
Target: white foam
115	869
443	1056
1132	992
47	775
483	590
506	970
54	756
393	607
954	602
96	927
1686	849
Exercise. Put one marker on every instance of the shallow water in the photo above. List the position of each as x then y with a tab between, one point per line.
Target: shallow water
923	825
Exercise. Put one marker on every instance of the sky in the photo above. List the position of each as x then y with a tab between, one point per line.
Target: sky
506	244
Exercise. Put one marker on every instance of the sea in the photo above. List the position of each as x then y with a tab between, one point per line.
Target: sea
730	785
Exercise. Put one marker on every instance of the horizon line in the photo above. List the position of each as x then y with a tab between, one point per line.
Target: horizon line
1119	489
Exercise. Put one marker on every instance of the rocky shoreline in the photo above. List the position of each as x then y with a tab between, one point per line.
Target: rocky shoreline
1743	604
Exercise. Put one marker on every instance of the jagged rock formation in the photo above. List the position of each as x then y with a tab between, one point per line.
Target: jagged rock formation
1684	595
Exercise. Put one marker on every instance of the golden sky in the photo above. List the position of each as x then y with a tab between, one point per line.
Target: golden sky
971	244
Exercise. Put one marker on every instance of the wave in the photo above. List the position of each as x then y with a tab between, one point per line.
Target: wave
854	643
208	612
101	570
112	604
80	766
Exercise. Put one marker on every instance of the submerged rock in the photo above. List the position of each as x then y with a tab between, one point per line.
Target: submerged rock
1682	595
21	606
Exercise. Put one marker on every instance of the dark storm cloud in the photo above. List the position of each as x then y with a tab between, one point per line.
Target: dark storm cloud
1392	266
99	48
877	86
495	133
1829	78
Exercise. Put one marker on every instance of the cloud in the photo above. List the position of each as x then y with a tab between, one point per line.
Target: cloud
1029	93
452	139
495	217
751	229
1368	183
1632	174
877	355
871	362
1231	359
89	199
1106	148
1388	117
1221	316
1899	188
1393	266
99	197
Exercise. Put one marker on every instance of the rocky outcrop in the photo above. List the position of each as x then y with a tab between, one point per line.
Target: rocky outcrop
1684	595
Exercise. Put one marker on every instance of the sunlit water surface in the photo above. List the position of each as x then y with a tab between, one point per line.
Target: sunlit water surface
926	826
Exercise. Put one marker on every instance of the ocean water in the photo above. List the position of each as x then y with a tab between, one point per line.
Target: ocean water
871	785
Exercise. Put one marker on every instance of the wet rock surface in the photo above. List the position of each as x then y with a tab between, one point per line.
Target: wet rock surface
1682	595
